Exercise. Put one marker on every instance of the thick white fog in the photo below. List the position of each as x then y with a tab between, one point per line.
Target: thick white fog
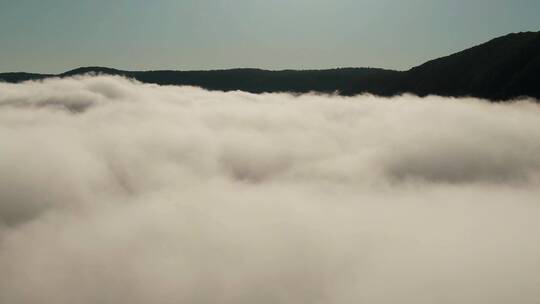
112	191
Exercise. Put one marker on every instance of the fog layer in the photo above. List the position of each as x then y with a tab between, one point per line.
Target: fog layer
113	191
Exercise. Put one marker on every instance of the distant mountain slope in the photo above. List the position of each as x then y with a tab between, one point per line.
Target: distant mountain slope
346	81
501	69
19	76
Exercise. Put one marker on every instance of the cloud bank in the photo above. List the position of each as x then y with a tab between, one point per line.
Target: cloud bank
113	191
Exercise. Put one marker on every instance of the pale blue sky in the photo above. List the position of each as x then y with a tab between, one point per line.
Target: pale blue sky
58	35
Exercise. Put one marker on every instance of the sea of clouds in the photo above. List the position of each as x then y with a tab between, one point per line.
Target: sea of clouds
113	191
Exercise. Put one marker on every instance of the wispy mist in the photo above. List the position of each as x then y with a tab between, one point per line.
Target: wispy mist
112	191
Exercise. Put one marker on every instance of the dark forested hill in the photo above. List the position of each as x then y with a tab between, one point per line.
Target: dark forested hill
501	69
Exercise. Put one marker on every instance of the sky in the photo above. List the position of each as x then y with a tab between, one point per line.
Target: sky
57	35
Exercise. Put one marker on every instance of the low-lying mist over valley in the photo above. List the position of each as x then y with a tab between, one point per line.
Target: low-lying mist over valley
116	191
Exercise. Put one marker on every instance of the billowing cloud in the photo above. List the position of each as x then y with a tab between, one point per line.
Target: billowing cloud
113	191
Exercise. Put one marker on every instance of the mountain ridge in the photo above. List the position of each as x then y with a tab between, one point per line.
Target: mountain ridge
503	68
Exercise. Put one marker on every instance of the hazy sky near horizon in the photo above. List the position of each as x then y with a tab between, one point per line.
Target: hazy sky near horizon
57	35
